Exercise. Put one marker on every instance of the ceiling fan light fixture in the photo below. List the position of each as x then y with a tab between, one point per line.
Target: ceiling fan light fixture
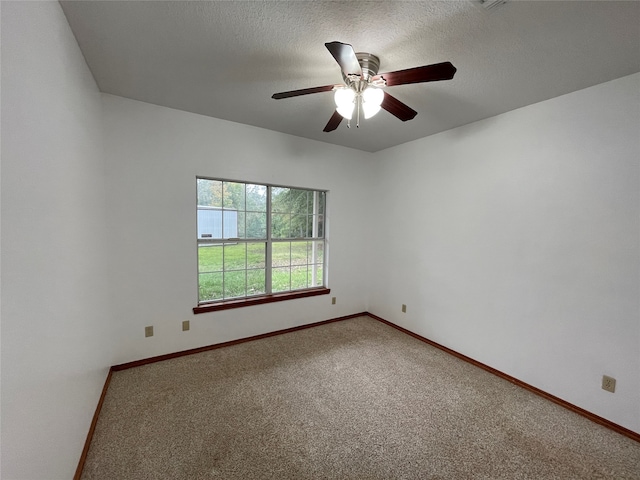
370	110
362	92
346	112
490	5
344	98
371	100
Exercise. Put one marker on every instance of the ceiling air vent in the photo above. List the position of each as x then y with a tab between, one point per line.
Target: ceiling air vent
490	5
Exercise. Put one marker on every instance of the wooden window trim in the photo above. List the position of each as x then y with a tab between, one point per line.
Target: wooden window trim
259	300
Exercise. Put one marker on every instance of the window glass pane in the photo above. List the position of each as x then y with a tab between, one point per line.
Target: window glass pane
256	225
311	196
281	279
256	198
233	196
241	228
209	193
315	251
299	226
319	226
298	201
280	225
280	200
299	253
256	255
321	202
281	254
209	222
256	281
209	258
310	227
235	257
298	277
234	284
315	226
315	276
229	223
210	286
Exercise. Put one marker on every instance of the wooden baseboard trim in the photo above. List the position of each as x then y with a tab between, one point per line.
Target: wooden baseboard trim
169	356
563	403
92	428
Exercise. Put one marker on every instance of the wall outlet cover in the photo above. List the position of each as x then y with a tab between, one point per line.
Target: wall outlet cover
185	325
148	331
608	384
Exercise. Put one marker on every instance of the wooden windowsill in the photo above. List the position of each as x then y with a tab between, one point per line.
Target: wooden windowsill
259	300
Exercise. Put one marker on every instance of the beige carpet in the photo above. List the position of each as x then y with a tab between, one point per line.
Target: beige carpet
354	399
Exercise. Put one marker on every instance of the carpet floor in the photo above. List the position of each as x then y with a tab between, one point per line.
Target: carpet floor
354	399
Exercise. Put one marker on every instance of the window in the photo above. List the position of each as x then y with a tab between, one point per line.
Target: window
257	241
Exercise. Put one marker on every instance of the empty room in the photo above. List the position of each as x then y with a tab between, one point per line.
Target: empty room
313	239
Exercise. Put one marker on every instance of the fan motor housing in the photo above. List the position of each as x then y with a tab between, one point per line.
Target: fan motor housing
369	64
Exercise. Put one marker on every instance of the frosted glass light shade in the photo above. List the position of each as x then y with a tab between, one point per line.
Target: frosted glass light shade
344	102
370	110
371	100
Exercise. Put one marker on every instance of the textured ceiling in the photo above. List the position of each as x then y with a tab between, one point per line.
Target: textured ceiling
226	59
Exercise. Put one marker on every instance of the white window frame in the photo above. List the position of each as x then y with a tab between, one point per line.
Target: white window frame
319	216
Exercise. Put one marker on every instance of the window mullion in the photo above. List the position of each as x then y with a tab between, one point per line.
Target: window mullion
267	269
314	234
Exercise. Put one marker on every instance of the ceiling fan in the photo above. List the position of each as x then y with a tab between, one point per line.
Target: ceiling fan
362	88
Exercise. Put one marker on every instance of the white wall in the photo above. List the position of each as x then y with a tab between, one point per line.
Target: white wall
516	241
56	336
153	155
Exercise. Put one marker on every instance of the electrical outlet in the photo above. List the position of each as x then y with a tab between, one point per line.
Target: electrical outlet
148	331
185	325
608	383
404	308
333	300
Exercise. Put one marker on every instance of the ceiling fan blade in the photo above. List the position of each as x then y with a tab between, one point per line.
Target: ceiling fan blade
333	122
397	108
427	73
346	57
304	91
